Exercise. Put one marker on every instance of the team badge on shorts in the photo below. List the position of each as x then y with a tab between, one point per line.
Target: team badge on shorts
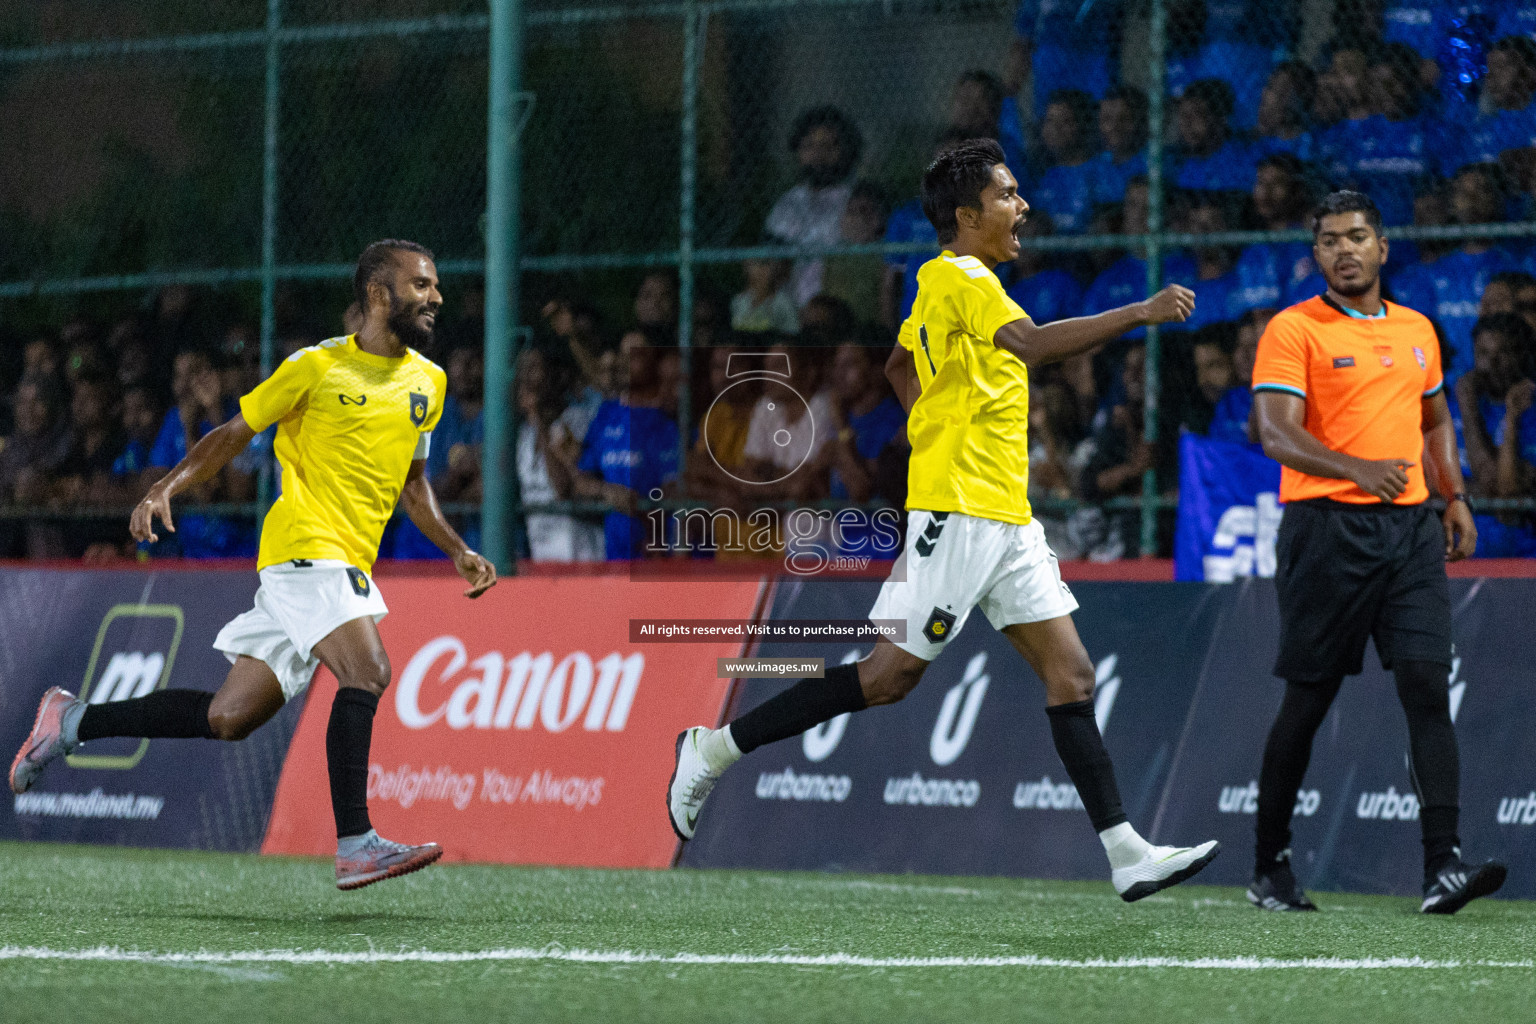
418	408
1418	354
360	584
940	622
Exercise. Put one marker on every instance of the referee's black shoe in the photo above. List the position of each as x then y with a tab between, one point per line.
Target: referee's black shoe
1458	883
1276	889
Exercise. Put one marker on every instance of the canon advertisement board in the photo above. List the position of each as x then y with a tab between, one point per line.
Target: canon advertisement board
112	635
961	777
526	726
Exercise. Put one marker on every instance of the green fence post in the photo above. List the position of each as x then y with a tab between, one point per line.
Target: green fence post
501	281
1158	50
688	157
269	230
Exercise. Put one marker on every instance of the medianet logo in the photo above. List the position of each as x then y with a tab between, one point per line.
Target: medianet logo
789	785
917	791
1388	806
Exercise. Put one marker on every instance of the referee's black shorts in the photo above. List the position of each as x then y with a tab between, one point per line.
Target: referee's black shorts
1347	572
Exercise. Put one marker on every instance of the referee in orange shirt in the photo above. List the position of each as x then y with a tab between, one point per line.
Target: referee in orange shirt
1348	393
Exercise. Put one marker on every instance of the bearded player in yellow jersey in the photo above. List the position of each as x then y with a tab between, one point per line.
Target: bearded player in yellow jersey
962	372
354	418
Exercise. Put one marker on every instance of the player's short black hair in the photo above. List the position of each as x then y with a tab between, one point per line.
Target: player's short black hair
1218	97
1345	201
955	179
375	259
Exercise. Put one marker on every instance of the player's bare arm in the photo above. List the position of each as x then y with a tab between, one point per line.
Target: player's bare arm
1283	432
1443	468
420	503
211	454
901	371
1039	345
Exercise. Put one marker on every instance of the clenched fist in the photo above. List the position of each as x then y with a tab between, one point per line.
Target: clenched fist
1173	304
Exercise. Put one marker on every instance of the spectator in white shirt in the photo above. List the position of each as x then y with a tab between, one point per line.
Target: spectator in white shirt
826	145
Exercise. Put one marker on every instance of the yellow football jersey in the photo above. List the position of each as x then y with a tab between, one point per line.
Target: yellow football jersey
969	428
348	425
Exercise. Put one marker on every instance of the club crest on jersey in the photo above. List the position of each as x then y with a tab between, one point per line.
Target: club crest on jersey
1418	354
940	623
418	408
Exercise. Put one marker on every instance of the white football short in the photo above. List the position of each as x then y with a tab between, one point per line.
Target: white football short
954	562
297	606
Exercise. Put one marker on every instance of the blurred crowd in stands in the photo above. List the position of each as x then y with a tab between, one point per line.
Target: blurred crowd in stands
1428	107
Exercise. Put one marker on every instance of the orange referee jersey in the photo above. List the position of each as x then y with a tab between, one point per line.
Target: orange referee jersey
1363	379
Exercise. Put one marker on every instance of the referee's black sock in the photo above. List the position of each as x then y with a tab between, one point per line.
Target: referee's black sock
347	739
1286	755
164	714
803	706
1423	687
1081	748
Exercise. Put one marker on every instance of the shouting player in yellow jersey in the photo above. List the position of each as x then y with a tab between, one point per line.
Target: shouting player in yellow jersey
962	372
354	420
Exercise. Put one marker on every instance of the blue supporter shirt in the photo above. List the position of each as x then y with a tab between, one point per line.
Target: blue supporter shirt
1497	538
454	427
1309	287
1049	295
1264	272
201	536
1514	18
1066	193
1230	420
1126	281
1217	300
1303	147
1458	279
636	446
1110	177
872	432
133	460
908	223
1230	168
1489	136
1385	159
1073	45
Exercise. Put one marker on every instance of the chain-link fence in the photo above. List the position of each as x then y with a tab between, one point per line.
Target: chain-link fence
203	175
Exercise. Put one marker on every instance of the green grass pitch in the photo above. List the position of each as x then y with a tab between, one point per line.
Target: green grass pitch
277	942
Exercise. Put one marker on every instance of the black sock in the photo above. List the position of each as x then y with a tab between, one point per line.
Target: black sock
1423	688
1286	755
347	739
803	706
1081	748
164	714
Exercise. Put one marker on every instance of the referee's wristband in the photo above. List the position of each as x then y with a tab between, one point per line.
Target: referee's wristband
1460	496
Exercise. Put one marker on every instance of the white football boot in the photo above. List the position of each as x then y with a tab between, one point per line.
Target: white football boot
690	783
1161	867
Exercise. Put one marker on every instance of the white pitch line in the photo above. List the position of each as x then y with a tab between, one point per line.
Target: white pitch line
623	956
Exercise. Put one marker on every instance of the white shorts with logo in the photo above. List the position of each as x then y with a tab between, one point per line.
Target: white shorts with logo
954	562
297	606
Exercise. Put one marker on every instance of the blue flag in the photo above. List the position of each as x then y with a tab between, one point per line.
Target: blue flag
1229	511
